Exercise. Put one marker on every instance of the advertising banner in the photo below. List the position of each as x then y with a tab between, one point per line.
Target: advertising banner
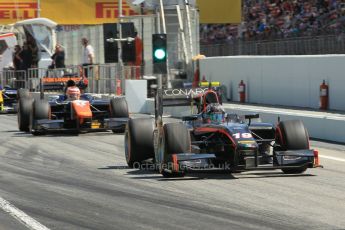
220	11
64	11
77	12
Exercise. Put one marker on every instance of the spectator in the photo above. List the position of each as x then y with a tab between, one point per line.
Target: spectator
58	61
58	57
88	55
274	19
18	67
26	56
34	51
17	58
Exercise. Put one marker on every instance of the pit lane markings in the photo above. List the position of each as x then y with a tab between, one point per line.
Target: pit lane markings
21	216
332	158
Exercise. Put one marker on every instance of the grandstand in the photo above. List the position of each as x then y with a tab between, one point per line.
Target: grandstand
277	27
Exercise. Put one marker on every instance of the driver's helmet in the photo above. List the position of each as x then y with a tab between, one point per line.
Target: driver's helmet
214	112
70	83
73	93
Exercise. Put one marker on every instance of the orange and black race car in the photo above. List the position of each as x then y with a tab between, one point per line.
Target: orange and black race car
86	114
213	139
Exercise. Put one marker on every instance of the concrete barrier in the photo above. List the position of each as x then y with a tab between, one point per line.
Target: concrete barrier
280	80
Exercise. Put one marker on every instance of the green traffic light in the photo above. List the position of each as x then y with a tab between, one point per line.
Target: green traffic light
159	54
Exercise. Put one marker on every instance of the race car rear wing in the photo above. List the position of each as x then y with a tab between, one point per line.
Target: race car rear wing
186	96
181	96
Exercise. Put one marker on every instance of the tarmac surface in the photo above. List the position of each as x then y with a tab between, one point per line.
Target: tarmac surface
82	182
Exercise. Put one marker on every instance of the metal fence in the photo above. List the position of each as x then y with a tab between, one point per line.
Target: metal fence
14	79
102	79
332	44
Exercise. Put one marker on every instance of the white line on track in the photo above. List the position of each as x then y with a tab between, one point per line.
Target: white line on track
332	158
21	216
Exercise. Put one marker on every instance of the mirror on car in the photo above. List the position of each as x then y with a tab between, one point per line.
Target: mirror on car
189	118
251	116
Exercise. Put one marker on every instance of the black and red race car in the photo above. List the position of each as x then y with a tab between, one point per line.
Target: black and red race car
212	139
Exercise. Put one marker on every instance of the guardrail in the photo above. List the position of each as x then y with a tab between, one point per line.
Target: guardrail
102	79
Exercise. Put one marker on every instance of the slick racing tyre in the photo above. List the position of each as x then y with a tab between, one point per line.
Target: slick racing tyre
119	108
40	110
292	135
139	141
23	93
23	114
176	140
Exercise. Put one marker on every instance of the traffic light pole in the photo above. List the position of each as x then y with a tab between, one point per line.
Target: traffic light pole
119	45
163	17
165	31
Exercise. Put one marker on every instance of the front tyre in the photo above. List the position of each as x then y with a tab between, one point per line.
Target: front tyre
40	111
119	108
23	113
139	141
176	140
292	135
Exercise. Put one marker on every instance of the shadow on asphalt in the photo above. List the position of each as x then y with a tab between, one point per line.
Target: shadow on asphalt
9	131
29	135
17	133
118	167
150	173
145	174
271	174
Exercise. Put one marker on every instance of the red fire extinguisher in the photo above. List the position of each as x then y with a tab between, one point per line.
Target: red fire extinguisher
118	87
242	91
323	95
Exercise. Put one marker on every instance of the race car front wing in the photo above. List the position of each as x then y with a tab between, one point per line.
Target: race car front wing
281	159
45	125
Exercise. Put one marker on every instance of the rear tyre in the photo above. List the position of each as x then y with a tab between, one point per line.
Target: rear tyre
119	108
139	141
292	135
176	140
23	114
40	110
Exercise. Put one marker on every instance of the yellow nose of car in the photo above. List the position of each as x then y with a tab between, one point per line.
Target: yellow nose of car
1	101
